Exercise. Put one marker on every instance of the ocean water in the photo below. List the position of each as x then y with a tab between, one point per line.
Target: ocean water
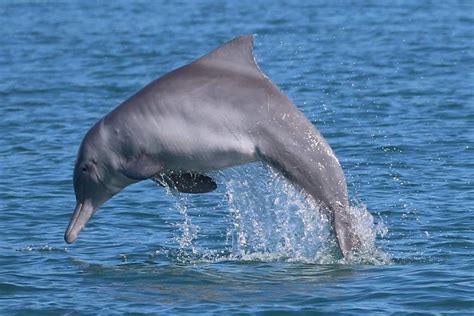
389	84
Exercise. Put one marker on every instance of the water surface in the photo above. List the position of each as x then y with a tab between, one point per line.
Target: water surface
390	87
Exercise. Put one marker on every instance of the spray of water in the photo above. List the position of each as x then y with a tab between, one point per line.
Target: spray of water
272	220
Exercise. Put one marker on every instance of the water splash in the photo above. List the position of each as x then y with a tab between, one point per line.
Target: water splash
273	220
188	231
367	230
270	216
41	248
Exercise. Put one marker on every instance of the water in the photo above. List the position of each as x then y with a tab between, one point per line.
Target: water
391	88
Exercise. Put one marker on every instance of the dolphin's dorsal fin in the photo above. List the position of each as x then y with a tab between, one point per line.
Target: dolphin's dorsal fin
238	52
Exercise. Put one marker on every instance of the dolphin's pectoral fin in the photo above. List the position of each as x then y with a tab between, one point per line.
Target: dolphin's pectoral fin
186	182
142	167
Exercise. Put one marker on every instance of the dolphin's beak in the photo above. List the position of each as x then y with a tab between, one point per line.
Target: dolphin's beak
82	213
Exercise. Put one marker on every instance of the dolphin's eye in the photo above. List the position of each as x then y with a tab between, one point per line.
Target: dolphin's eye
84	168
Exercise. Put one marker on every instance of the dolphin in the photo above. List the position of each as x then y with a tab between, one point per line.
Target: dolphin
219	111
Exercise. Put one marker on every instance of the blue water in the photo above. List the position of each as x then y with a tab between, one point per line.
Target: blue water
389	85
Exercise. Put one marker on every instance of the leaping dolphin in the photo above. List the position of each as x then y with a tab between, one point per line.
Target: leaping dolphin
216	112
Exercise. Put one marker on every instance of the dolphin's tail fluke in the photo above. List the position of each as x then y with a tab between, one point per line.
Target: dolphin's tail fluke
345	231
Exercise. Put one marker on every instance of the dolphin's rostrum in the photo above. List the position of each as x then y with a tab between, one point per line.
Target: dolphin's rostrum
216	112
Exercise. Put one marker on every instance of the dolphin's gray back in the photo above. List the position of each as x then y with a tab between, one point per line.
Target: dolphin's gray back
219	102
